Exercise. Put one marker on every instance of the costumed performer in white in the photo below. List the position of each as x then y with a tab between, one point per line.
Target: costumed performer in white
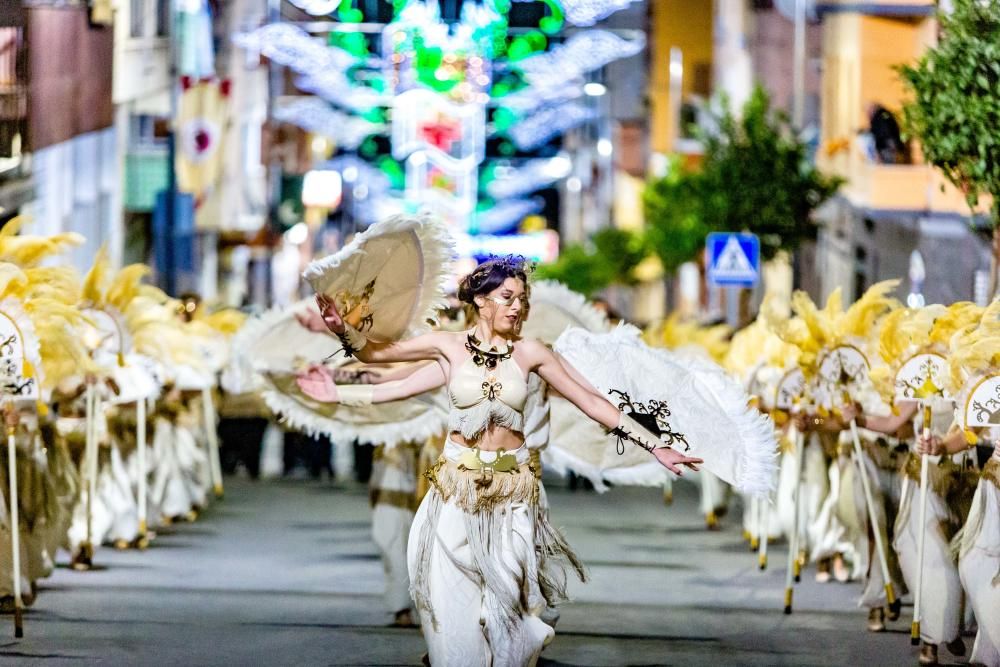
481	552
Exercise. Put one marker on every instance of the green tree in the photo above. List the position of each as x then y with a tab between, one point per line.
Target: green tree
755	176
955	107
675	223
609	258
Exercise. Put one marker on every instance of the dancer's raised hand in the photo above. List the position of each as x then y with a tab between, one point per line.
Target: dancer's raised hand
671	459
317	383
328	311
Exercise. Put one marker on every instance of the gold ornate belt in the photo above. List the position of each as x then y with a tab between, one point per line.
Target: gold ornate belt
473	460
476	485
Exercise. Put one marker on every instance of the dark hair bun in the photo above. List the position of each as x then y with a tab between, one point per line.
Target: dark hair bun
490	275
465	293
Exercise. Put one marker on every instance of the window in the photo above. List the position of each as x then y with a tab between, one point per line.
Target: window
146	132
137	27
162	18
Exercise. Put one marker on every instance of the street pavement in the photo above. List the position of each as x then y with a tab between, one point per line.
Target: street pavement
286	573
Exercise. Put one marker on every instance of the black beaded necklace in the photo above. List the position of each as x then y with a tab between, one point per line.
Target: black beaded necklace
490	358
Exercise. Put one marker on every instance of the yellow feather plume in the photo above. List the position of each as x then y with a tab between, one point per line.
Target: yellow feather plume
28	250
957	316
125	286
61	283
975	349
226	321
863	315
674	332
95	280
12	280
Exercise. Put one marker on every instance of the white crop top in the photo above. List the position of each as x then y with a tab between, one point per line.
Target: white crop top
482	397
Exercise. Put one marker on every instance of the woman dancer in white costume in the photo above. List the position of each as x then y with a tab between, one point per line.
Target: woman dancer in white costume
481	550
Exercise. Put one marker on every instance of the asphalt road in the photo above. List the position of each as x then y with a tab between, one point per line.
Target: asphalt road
286	573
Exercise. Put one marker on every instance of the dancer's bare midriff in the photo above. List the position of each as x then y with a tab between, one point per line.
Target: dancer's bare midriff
493	439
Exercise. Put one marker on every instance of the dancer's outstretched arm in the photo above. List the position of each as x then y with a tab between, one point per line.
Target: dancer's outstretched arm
429	347
317	383
553	370
888	425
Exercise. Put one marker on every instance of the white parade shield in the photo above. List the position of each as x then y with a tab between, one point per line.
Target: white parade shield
18	344
922	376
791	387
982	403
843	370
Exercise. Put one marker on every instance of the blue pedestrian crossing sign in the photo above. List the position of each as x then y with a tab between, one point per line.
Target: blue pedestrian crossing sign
733	259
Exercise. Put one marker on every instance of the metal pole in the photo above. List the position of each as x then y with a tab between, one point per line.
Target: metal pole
799	66
793	540
921	541
872	516
676	91
15	531
170	211
140	418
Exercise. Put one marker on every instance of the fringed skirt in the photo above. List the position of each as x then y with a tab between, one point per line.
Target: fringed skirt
484	561
979	564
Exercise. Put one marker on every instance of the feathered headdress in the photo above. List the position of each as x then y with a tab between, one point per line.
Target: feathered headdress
53	324
817	329
757	348
676	333
26	251
907	332
975	348
143	311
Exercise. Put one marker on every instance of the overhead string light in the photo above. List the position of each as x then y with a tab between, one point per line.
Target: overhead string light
582	53
315	115
539	128
533	97
586	13
334	87
374	179
506	215
288	45
531	176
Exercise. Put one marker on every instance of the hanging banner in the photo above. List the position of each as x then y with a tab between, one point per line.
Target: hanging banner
201	120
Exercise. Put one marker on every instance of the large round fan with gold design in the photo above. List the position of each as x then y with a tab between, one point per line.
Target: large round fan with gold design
698	408
390	280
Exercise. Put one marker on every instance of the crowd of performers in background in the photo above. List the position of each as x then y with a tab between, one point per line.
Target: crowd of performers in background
109	391
890	461
883	480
